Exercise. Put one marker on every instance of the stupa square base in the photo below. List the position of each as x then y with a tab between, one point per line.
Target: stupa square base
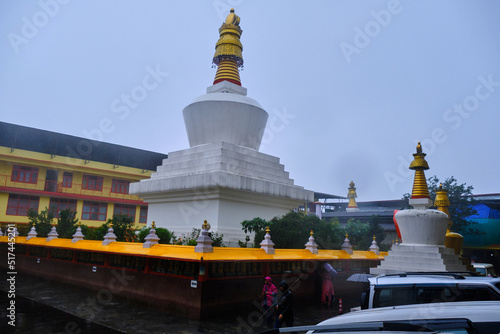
222	183
419	258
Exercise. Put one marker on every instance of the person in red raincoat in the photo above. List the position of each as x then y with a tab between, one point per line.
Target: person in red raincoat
269	295
327	293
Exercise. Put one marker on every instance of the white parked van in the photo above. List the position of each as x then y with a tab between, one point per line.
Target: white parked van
464	317
422	288
485	269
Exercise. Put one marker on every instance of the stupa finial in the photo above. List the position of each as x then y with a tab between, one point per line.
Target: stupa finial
351	194
442	202
228	51
419	164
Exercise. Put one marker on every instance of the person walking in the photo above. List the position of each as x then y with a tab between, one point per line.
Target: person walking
269	295
327	294
284	307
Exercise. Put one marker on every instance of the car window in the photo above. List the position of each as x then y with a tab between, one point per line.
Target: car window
437	294
393	296
403	295
458	326
482	271
474	292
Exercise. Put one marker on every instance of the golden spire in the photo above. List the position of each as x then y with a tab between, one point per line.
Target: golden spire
228	51
442	202
452	239
351	194
419	164
205	225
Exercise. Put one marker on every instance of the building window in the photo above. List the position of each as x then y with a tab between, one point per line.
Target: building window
143	215
125	210
91	182
18	205
67	180
120	186
94	211
58	204
24	174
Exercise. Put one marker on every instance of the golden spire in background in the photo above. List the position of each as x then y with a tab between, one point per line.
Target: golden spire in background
452	239
442	202
351	194
228	51
419	164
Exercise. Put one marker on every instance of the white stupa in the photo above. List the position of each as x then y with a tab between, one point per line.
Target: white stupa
423	232
222	177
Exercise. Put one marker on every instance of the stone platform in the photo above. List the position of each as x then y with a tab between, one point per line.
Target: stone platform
418	258
222	183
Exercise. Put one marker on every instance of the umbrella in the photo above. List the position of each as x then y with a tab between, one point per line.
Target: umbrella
330	269
359	277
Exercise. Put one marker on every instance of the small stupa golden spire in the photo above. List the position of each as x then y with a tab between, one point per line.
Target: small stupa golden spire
228	51
205	225
452	239
419	164
442	202
351	194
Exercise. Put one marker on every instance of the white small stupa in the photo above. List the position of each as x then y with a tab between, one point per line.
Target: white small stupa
267	244
422	231
222	177
53	233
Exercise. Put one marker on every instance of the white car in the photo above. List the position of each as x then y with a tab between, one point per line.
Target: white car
421	288
485	269
480	317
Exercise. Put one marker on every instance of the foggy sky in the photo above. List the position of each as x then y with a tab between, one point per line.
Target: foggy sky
350	86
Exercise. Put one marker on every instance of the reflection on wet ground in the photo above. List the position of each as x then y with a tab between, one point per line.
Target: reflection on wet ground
51	307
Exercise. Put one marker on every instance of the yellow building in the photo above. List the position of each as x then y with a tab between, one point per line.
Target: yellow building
41	169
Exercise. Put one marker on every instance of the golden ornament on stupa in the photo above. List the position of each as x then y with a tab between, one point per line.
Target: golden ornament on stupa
442	202
205	225
228	51
419	164
351	194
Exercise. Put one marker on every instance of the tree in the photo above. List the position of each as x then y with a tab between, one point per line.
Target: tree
122	227
42	221
293	230
165	235
255	225
67	224
358	233
190	238
375	230
361	234
461	204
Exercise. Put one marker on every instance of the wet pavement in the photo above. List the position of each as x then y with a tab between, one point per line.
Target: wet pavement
44	306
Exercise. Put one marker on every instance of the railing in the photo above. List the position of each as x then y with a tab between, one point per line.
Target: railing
57	187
